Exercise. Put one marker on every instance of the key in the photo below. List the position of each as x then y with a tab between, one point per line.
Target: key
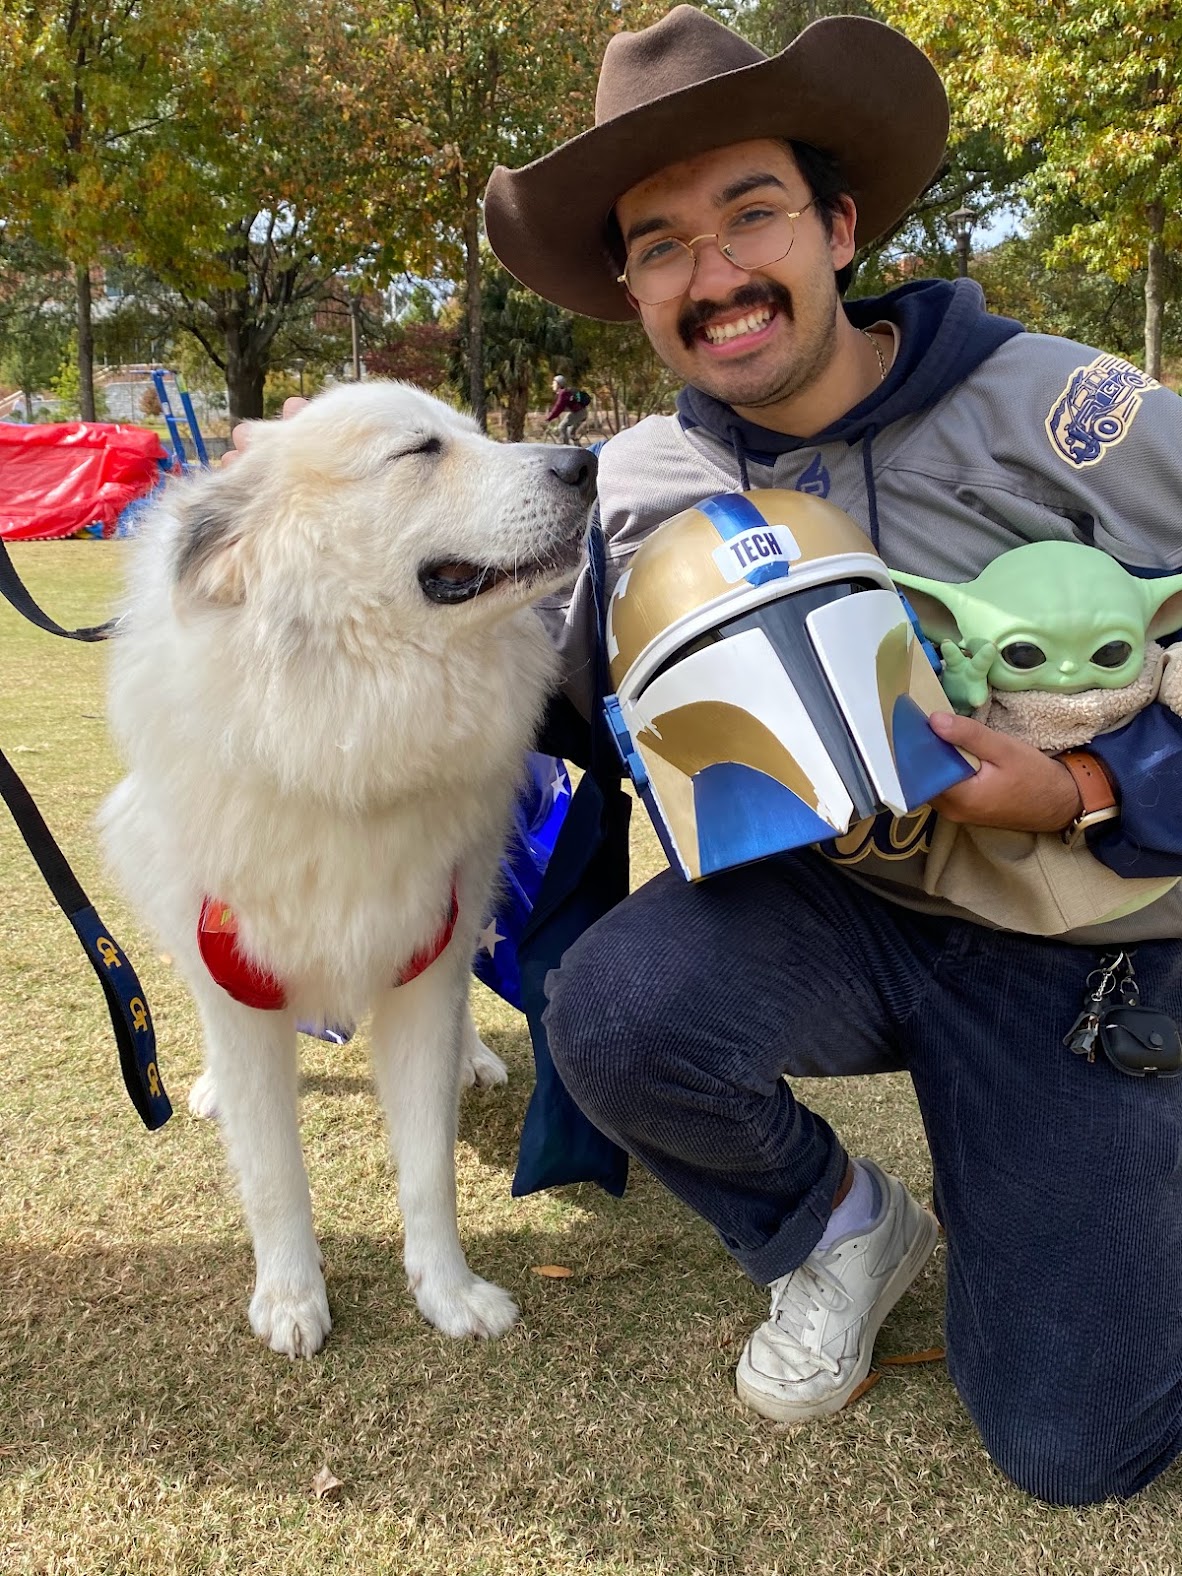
1083	1034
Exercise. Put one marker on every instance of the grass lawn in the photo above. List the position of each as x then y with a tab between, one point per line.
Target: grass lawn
145	1431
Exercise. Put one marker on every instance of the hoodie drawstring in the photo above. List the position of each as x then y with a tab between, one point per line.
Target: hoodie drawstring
740	451
734	433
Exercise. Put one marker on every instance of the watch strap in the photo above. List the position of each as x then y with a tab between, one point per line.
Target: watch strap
1098	800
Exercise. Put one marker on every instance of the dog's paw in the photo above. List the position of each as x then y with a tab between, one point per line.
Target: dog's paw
294	1323
473	1308
481	1066
203	1098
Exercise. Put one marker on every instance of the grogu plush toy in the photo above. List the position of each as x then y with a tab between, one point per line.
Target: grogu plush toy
1053	642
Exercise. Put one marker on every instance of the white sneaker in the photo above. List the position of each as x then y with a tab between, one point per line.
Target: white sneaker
815	1349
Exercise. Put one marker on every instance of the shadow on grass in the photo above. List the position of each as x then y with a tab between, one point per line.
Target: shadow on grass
145	1353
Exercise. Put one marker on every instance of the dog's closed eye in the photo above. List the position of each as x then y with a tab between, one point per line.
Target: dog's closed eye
419	446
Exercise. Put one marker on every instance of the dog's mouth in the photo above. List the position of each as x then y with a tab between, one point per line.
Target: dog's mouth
456	580
453	580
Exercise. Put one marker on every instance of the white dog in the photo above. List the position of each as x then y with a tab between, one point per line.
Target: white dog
324	683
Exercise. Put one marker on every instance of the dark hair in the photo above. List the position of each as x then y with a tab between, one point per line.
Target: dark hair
824	178
827	186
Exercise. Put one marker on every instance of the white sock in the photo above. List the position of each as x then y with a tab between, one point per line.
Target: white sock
857	1210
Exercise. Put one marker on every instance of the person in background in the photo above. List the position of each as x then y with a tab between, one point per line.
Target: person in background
569	408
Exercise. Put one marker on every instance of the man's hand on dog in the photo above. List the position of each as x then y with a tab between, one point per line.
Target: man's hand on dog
1017	787
240	436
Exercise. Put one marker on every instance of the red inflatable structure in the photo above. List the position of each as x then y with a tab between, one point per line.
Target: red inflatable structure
63	477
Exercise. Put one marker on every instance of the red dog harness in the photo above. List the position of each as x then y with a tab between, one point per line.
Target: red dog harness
229	967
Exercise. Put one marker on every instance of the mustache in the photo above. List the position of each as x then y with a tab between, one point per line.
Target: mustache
696	314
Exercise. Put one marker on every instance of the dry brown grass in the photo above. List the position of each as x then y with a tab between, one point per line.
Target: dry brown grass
144	1431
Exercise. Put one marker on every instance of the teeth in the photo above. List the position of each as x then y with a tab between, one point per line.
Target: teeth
719	333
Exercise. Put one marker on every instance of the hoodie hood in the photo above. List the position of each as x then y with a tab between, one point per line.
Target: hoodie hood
944	333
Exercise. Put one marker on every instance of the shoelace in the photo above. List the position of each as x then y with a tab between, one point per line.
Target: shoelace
804	1295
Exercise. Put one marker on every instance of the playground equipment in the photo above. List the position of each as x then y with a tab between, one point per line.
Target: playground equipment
161	377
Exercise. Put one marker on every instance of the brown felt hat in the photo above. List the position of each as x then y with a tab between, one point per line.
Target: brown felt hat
854	88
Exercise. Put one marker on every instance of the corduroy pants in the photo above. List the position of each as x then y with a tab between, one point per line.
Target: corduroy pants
1058	1181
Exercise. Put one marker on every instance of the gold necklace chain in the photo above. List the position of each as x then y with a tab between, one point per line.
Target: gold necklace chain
882	366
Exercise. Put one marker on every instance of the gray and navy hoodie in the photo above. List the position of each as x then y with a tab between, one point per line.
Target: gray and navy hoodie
981	438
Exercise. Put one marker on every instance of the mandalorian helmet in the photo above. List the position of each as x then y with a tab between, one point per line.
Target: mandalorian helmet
770	688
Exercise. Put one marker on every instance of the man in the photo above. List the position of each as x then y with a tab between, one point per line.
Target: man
571	406
733	187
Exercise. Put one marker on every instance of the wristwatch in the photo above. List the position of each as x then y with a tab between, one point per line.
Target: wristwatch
1097	794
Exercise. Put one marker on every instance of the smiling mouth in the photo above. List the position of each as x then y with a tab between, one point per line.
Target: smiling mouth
721	333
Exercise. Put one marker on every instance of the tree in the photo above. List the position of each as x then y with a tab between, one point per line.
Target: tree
449	88
419	353
1096	89
35	328
199	139
1072	299
87	89
525	338
978	172
277	226
617	361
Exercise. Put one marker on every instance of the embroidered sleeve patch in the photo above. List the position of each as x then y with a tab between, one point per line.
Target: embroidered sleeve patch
1096	409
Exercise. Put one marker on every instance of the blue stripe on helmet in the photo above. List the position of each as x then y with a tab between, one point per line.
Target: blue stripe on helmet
733	514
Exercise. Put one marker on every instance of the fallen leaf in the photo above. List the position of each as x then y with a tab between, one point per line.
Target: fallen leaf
166	957
868	1383
930	1354
553	1271
324	1484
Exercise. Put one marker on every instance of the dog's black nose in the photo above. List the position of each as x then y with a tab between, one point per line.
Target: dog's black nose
577	469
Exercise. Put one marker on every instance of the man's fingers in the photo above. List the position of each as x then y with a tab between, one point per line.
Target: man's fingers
985	743
240	435
239	438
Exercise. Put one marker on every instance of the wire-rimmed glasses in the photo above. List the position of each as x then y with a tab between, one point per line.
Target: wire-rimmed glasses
663	266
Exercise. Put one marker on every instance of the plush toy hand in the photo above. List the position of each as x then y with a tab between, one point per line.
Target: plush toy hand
1016	787
963	677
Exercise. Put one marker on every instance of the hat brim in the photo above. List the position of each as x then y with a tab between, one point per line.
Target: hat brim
854	88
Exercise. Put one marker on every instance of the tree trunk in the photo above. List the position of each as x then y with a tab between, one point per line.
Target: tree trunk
244	377
515	408
475	316
85	342
1154	271
244	385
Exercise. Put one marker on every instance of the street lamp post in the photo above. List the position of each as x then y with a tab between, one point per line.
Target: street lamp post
962	227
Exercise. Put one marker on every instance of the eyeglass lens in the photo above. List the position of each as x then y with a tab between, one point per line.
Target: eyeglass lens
753	237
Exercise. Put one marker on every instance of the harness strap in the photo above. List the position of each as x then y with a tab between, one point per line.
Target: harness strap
245	981
425	956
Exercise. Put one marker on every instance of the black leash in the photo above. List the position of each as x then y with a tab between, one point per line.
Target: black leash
13	588
126	1002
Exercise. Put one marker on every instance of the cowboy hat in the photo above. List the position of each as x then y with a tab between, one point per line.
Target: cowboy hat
855	89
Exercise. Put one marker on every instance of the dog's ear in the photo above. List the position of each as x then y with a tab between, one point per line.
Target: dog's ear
213	551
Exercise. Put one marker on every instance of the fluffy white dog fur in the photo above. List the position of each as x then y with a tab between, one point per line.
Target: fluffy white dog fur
325	678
